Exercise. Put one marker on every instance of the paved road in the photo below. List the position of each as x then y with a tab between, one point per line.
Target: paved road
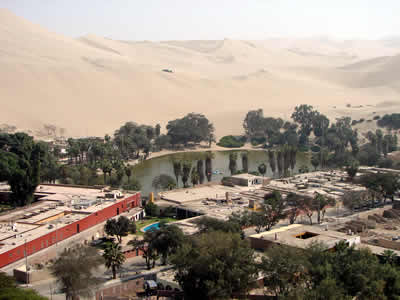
49	287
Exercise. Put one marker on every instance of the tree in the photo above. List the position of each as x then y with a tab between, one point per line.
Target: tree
114	257
208	224
128	172
209	270
232	162
315	160
389	257
17	293
279	160
106	167
118	228
320	204
200	171
194	177
262	168
305	115
177	170
20	165
151	209
245	162
284	270
167	240
158	130
73	270
295	203
164	182
208	163
144	245
258	220
308	208
186	169
352	169
273	209
191	128
271	159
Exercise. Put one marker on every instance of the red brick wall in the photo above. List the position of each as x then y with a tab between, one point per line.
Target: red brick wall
68	230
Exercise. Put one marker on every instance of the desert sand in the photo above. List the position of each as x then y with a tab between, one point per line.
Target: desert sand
92	85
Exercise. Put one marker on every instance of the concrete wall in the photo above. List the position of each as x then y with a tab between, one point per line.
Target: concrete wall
34	276
125	288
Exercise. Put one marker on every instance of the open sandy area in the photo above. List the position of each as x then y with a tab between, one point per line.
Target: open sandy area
92	85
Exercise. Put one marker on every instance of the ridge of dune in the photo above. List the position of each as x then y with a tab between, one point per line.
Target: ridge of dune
92	85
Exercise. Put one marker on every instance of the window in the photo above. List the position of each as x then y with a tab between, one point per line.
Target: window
10	254
33	248
47	243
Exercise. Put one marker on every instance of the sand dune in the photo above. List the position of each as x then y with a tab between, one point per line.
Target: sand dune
91	85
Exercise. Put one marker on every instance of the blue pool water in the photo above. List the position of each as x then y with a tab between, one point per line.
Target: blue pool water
154	226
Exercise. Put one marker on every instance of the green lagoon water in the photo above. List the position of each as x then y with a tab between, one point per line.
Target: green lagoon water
148	169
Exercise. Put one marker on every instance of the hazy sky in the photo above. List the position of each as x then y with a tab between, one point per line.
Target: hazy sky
213	19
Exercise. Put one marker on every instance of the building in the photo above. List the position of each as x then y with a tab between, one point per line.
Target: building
247	180
301	236
62	212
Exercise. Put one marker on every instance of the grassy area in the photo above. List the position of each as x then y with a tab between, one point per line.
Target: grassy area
150	220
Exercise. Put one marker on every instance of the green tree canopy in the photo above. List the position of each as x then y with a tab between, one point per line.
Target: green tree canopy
74	270
209	270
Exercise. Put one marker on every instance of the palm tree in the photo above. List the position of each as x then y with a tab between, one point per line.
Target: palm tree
232	162
177	170
114	258
194	176
272	162
262	169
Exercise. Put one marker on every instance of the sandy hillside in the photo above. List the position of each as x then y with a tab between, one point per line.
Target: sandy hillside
91	85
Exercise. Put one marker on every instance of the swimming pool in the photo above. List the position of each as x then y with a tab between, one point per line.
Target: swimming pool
154	226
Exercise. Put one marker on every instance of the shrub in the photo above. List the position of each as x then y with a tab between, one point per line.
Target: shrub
230	141
354	122
258	140
376	118
315	148
361	120
369	121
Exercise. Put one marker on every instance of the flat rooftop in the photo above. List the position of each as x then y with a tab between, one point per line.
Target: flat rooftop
62	205
302	236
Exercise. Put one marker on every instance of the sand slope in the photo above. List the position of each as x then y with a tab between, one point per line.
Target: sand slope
91	85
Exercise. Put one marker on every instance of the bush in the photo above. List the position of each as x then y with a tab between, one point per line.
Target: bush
369	121
230	141
151	209
315	148
376	118
258	140
354	122
361	120
303	148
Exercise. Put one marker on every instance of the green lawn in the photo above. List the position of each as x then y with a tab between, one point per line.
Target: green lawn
150	220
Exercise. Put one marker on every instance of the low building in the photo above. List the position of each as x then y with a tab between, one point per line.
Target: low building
247	180
301	236
62	212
